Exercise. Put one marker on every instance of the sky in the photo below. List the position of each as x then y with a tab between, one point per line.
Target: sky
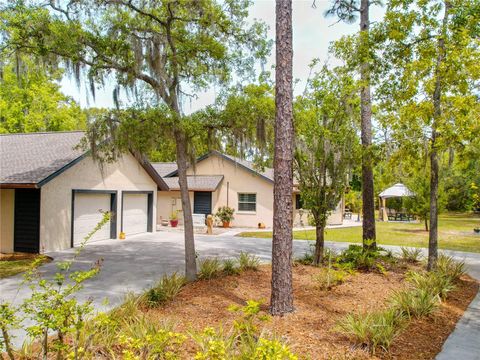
312	34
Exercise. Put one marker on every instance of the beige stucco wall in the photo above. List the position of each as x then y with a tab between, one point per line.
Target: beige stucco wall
56	196
238	180
169	201
7	203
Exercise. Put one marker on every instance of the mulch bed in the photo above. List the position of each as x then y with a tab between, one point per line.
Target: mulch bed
309	331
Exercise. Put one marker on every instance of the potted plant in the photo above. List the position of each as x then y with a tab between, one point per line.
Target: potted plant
225	215
174	219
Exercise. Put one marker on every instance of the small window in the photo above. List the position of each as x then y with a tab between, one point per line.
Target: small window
298	202
247	202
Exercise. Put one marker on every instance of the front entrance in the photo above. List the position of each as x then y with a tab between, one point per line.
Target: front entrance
202	202
26	233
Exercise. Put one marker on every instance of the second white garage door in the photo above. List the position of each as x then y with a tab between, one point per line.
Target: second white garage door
87	214
135	213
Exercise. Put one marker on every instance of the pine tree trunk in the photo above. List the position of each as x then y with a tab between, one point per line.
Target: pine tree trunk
437	114
368	196
282	290
433	234
319	244
190	261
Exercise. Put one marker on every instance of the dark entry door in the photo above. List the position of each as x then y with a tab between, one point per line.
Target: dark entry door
202	202
26	233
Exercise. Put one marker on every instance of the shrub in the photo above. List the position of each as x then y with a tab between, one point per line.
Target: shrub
306	259
329	277
165	290
209	268
230	267
411	255
248	261
145	339
242	341
415	302
356	257
273	350
448	267
433	282
225	213
373	330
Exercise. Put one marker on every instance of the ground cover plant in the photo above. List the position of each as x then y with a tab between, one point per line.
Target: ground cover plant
455	233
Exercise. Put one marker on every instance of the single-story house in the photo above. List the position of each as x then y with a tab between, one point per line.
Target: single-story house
52	193
219	180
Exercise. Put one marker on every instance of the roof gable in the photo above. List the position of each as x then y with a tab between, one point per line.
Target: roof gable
29	159
33	159
266	174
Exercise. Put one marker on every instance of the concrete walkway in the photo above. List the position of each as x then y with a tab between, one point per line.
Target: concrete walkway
137	263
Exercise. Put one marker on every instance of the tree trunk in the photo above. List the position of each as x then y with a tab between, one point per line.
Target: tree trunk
437	114
319	244
368	196
426	223
190	261
282	290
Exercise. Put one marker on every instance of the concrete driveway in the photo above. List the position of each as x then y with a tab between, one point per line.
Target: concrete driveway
137	263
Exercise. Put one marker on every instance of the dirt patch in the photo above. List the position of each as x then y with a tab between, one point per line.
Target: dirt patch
309	331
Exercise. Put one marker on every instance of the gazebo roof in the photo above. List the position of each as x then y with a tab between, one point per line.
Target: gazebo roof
397	190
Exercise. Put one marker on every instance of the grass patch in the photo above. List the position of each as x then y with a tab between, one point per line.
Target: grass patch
13	267
165	290
372	330
248	261
455	233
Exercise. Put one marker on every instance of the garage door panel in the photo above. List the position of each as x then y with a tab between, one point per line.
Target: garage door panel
88	212
135	213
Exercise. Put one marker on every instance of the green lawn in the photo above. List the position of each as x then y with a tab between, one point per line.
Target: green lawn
455	233
13	267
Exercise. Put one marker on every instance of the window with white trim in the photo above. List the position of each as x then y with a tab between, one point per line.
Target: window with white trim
247	202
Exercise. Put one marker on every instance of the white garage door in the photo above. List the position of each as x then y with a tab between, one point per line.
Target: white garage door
87	214
135	213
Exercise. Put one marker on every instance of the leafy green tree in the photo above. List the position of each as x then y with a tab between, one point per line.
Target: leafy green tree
31	100
432	47
168	49
247	115
361	59
326	145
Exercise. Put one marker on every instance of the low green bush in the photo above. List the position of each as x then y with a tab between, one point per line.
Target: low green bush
329	277
230	267
415	303
433	281
209	268
450	268
165	290
411	255
248	261
372	330
356	257
243	341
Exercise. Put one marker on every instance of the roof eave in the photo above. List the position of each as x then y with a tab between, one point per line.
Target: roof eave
19	186
207	155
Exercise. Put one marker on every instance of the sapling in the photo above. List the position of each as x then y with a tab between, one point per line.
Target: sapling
52	307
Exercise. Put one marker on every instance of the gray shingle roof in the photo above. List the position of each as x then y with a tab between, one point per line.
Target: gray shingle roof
196	182
30	158
165	168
